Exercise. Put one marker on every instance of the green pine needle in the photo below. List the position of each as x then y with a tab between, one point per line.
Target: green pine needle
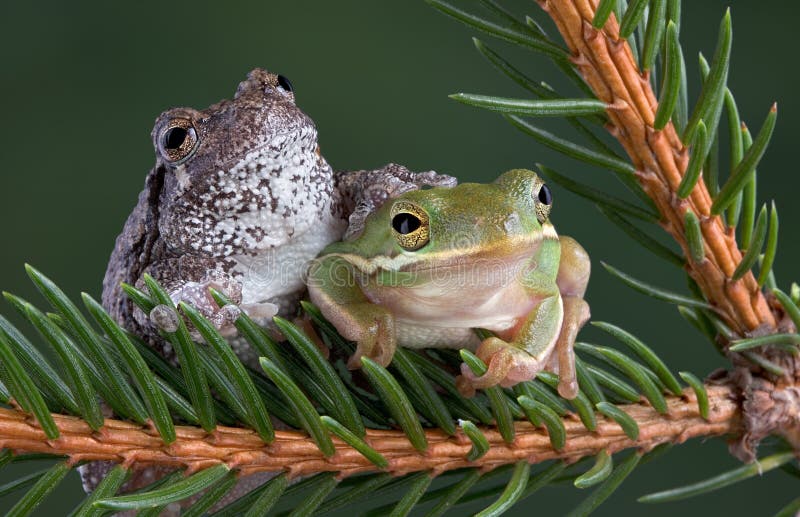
234	369
189	359
633	15
744	171
446	381
513	492
454	493
642	237
573	150
343	408
748	196
699	392
258	501
301	406
655	292
145	380
20	482
786	341
497	399
397	402
771	249
607	488
480	445
604	10
172	493
435	408
598	473
654	33
600	198
670	87
751	255
789	305
712	96
323	485
109	486
117	389
581	402
694	237
255	335
757	468
544	389
38	366
45	484
736	143
588	384
412	496
625	421
367	486
212	496
525	39
507	16
644	352
533	108
551	420
354	441
632	369
619	388
695	167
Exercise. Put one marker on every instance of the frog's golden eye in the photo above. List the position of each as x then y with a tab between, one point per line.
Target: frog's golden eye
410	226
544	201
177	140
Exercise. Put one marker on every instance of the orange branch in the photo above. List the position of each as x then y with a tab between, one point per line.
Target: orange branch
293	451
609	68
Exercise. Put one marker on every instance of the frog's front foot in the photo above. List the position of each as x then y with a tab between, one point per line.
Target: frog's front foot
506	365
198	295
374	332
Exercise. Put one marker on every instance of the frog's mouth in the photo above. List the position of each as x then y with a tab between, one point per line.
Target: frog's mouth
478	262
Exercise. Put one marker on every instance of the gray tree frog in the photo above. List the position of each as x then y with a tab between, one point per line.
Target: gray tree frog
240	198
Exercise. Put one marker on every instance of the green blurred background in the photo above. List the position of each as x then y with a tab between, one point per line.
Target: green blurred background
82	83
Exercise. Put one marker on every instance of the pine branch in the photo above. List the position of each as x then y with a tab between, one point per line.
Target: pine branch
134	445
668	173
412	407
661	160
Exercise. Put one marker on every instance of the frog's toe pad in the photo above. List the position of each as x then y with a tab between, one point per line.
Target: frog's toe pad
164	318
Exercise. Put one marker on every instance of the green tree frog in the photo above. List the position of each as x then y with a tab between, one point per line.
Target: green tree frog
431	265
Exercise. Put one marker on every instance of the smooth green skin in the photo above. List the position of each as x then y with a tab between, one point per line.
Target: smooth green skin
489	262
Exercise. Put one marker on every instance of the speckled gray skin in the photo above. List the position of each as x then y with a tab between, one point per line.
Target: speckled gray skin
240	204
249	205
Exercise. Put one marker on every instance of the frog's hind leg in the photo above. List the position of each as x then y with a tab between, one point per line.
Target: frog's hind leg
572	280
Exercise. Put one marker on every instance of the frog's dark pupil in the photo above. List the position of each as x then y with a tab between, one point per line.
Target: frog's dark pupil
284	83
405	223
545	196
174	137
